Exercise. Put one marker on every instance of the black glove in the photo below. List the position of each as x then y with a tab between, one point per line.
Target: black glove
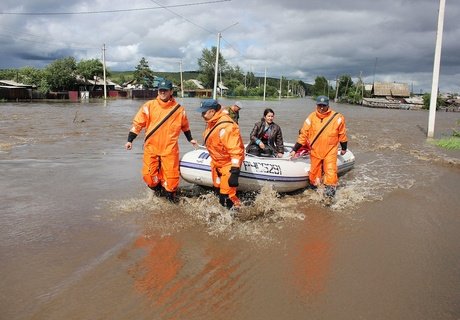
234	175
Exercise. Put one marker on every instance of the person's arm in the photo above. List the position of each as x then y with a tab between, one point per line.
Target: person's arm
279	142
302	138
131	137
343	146
234	144
139	122
188	135
253	136
187	131
343	140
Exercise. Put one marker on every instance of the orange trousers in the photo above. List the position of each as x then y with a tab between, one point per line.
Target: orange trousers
220	176
161	169
328	166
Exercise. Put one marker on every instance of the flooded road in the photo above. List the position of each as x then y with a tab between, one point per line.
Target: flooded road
81	237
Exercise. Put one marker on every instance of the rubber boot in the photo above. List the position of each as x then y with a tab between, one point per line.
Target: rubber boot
311	186
158	190
329	191
171	197
225	201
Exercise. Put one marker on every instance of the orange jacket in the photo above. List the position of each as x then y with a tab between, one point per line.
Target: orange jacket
164	140
332	135
224	144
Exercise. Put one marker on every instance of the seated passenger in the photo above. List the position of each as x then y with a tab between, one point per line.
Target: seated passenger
266	138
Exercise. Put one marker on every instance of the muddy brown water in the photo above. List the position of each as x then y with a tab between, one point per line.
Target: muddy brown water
82	238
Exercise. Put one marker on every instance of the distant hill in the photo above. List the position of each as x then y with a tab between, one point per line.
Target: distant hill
120	77
123	76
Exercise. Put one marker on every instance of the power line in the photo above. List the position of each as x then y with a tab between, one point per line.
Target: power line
180	16
107	11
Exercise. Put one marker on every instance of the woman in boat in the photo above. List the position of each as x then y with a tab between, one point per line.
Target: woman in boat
266	138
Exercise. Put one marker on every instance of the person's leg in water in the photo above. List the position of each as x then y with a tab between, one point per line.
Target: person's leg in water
227	195
151	172
330	178
169	171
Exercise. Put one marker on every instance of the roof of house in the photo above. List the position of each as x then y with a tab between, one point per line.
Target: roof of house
11	83
391	89
221	86
414	100
197	83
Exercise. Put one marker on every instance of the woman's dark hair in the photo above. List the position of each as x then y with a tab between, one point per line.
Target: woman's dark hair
267	111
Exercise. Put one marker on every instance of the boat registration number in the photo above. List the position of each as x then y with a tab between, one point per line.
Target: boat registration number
262	167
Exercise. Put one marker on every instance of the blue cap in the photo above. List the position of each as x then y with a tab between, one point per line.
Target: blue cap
322	101
207	105
165	85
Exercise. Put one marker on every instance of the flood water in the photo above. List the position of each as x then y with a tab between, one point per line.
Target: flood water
81	237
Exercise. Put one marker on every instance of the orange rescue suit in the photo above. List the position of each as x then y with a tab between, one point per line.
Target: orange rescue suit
323	155
226	149
161	150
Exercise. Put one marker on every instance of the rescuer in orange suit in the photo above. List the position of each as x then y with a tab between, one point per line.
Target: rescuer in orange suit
324	144
164	116
223	140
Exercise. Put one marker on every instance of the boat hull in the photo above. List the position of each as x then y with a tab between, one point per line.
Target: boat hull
283	174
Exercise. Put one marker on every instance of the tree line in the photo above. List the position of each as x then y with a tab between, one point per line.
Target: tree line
67	74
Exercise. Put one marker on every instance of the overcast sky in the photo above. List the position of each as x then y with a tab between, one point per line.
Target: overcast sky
384	40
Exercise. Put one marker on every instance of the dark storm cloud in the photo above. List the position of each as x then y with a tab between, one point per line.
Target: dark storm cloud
387	40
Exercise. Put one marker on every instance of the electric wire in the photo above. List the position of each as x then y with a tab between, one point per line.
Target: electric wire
108	11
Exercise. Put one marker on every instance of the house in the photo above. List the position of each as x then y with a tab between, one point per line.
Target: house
97	84
196	89
390	95
390	90
221	88
11	90
416	100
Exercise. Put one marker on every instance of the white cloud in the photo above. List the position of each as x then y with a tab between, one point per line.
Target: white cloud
293	38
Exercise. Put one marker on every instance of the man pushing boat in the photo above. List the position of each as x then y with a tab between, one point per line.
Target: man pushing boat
223	140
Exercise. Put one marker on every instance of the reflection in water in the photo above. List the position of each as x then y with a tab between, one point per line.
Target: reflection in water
311	261
65	172
180	288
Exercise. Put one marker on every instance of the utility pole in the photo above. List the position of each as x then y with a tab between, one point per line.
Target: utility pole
216	68
336	88
181	80
103	68
281	81
221	83
265	82
436	66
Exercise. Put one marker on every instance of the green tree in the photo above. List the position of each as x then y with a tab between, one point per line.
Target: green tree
206	66
427	100
8	74
250	81
320	88
31	76
345	83
240	90
88	69
60	75
143	74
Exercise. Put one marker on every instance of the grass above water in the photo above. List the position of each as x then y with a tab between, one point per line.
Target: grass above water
451	143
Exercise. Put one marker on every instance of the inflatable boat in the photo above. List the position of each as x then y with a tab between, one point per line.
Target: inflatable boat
283	174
